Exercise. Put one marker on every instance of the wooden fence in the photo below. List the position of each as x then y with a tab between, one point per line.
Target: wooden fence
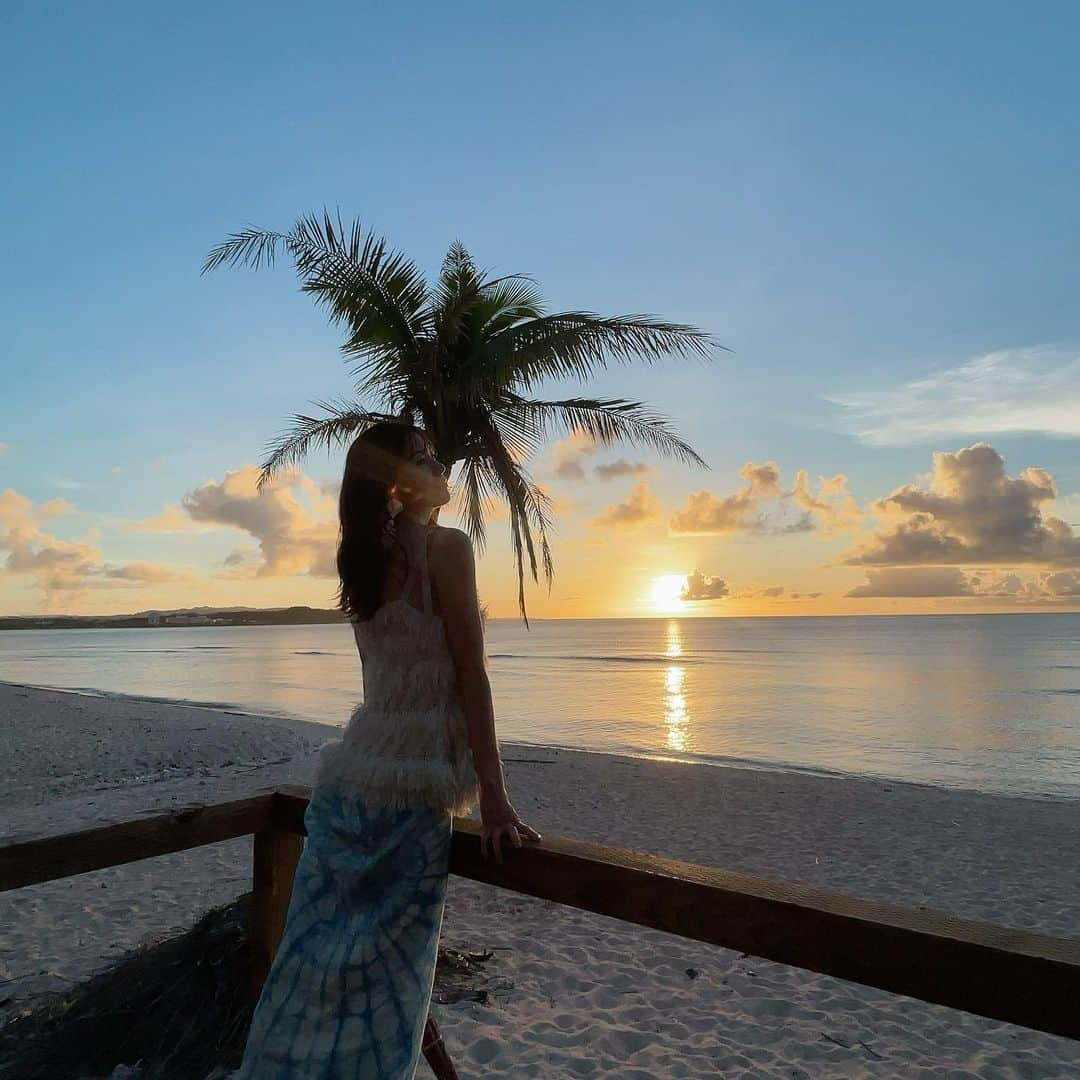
1012	975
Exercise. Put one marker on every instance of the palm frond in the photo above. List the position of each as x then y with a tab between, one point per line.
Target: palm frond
506	301
309	432
474	488
606	420
378	293
457	290
459	264
254	247
520	431
574	344
529	507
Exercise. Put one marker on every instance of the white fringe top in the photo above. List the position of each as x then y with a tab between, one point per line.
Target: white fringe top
406	746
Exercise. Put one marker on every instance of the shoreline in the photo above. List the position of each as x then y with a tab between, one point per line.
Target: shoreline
706	760
572	993
584	618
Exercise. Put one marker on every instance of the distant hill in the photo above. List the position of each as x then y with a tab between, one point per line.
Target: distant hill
198	616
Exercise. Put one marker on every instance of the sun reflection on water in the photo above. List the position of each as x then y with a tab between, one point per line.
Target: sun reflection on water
676	715
674	639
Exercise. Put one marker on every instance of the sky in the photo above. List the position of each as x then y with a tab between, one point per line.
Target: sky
873	207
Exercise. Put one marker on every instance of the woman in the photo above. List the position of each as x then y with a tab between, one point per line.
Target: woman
348	992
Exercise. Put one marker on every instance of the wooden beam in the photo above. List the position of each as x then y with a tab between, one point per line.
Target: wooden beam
1012	975
289	806
46	858
276	854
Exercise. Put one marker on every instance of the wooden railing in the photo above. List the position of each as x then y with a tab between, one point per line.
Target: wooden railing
1013	975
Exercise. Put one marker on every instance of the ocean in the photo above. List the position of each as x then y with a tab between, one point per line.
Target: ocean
986	702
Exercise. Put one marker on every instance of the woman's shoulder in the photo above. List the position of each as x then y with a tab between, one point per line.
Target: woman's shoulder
450	546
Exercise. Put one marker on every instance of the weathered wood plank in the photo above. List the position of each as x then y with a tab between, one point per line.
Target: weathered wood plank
1013	975
29	862
276	854
289	806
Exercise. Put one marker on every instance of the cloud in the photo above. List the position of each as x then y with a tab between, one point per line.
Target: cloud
700	587
926	581
570	454
1008	584
759	592
1033	389
63	569
171	520
915	581
4	447
640	508
1060	583
148	573
830	509
241	555
833	506
323	496
971	513
621	467
706	513
291	539
53	508
1067	507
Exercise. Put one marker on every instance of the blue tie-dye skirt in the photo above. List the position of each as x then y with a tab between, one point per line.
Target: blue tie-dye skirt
348	992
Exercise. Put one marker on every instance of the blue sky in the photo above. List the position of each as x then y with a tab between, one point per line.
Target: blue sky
854	198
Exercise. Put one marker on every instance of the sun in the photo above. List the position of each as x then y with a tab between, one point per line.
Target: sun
666	591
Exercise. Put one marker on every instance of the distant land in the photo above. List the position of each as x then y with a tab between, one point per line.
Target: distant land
199	616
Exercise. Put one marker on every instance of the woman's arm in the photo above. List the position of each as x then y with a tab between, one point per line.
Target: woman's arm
453	571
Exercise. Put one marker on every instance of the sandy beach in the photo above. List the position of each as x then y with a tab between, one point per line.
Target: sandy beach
572	994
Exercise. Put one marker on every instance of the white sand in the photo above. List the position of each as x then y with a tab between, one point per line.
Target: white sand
573	994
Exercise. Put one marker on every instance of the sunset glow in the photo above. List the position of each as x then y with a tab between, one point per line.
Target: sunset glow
666	592
831	452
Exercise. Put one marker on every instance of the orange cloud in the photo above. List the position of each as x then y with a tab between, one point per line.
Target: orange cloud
700	586
915	581
171	519
63	569
570	453
972	513
291	540
706	513
621	467
640	508
833	506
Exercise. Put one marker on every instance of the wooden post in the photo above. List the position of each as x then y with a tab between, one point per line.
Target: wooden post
276	854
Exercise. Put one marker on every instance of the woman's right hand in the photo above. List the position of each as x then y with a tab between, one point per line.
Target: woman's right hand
499	821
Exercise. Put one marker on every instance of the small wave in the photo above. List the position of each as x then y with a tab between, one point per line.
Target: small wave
181	649
311	652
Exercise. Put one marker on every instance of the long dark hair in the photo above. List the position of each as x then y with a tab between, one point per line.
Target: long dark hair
371	467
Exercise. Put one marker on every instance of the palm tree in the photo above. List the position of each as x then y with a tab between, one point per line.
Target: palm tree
461	359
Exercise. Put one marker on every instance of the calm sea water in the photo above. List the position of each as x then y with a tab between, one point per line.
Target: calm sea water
986	702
